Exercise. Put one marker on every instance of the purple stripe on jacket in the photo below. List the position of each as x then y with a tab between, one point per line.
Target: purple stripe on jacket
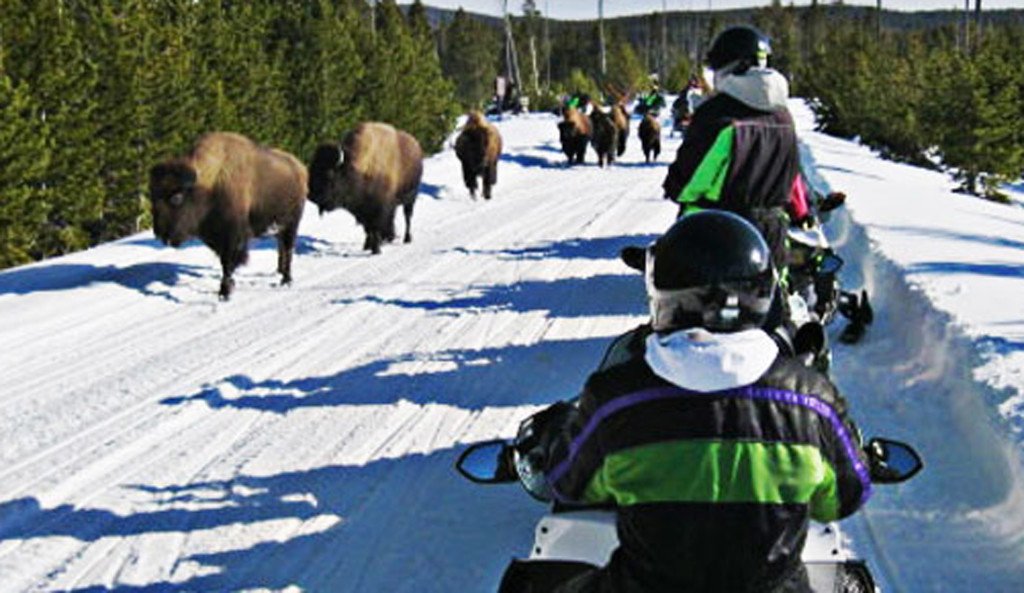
750	392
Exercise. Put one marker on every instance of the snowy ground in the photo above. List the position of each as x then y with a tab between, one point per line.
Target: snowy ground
302	438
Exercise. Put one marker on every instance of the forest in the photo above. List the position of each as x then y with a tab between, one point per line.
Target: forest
94	92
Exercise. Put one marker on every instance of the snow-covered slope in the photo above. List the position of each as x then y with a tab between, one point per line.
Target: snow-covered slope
303	437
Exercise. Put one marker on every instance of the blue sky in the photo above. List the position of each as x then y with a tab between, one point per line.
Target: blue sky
587	9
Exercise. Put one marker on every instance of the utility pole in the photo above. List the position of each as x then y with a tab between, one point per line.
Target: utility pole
664	44
977	23
965	27
600	34
547	46
878	21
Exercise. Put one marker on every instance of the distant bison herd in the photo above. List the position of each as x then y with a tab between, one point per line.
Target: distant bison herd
228	189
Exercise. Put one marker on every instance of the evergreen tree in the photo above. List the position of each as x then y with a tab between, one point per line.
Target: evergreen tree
24	160
679	74
470	59
326	72
47	53
406	88
625	72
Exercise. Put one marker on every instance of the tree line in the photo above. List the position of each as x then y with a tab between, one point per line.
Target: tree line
94	92
912	88
924	97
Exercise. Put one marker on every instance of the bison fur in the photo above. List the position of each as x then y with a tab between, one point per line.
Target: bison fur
478	147
375	169
605	136
574	134
650	137
621	120
226	191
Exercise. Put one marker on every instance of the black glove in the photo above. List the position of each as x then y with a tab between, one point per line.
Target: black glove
533	445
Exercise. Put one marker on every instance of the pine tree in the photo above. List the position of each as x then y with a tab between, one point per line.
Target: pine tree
46	41
470	59
625	72
24	161
405	87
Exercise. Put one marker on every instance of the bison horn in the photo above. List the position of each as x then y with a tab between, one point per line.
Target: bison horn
341	158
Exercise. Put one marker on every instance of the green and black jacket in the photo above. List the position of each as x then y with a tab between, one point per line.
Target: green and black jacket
740	154
713	490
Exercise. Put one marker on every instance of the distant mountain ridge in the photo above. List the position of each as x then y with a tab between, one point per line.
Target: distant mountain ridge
684	20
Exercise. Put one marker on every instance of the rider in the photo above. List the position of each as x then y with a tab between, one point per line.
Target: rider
714	449
740	151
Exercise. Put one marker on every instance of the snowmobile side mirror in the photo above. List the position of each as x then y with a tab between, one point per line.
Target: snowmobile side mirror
830	264
486	463
891	462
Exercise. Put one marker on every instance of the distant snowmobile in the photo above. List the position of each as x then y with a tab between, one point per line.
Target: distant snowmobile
571	540
814	294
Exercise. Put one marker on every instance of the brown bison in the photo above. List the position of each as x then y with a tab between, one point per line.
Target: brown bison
374	170
574	132
650	137
621	120
226	191
478	147
605	136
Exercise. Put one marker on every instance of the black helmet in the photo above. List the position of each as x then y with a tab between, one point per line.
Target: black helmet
743	44
711	269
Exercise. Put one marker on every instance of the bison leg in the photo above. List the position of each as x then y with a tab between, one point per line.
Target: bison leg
407	211
387	223
285	248
469	177
234	254
490	178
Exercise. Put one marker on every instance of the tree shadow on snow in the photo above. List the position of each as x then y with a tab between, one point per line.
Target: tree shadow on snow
950	268
640	164
376	533
992	240
432	190
470	379
525	160
593	249
138	277
608	294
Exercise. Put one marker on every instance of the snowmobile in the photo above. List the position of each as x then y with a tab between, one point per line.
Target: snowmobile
815	294
570	540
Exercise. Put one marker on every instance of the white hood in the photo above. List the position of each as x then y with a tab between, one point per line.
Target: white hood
699	360
760	88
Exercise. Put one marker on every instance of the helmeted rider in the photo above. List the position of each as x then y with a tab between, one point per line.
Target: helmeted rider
740	152
714	449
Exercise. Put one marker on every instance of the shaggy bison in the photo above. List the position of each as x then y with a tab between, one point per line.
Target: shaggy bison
478	147
650	137
605	136
574	133
226	191
621	120
376	168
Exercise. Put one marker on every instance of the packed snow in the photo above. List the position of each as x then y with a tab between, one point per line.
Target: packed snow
302	437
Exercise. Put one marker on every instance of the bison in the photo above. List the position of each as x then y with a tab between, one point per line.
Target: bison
374	169
605	136
621	120
574	133
650	137
478	146
225	191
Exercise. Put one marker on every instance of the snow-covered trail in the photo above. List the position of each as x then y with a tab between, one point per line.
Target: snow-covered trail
154	436
959	525
303	437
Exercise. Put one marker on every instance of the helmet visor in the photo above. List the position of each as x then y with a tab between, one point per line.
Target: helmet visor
726	306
